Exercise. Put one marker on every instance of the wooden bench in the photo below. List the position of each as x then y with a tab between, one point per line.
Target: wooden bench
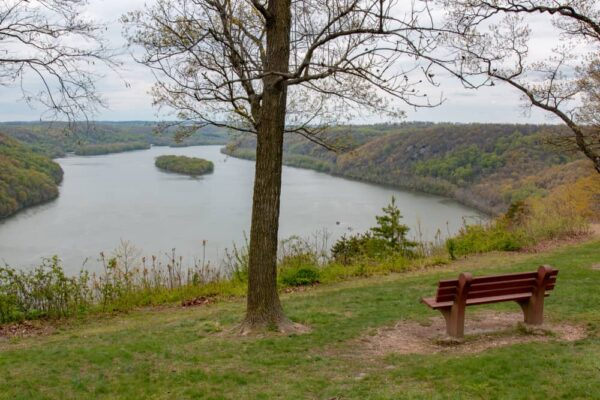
528	289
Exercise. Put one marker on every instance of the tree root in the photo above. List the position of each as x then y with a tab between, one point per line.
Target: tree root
279	325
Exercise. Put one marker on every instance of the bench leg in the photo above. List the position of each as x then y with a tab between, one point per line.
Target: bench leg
533	310
455	321
455	315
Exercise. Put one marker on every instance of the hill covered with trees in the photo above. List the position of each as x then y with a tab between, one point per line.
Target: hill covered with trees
488	166
55	139
108	148
26	177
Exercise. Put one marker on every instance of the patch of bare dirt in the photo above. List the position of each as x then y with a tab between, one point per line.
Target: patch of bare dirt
25	329
483	331
298	289
595	229
284	327
596	267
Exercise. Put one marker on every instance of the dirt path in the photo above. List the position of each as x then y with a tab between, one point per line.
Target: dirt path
483	331
595	228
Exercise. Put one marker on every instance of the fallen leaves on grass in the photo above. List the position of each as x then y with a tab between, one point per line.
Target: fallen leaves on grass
25	328
197	301
297	289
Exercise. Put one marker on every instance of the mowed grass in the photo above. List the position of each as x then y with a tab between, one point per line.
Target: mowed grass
188	353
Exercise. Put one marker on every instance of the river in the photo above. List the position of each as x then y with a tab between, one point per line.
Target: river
106	199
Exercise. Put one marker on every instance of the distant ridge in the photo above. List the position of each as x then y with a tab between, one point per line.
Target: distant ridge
486	166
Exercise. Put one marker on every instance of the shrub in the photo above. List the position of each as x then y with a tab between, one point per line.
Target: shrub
236	262
43	292
563	213
125	282
495	236
386	239
451	247
312	250
302	276
297	263
349	249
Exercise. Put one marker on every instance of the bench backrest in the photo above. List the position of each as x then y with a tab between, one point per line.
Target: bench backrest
498	285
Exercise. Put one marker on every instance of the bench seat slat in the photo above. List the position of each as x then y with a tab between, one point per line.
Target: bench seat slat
499	299
495	278
490	278
448	283
505	277
448	293
491	291
509	280
475	294
505	284
432	303
444	294
446	290
510	284
500	278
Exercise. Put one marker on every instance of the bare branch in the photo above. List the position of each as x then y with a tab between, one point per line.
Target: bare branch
34	39
491	40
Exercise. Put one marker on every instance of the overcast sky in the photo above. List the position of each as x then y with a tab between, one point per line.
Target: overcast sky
132	102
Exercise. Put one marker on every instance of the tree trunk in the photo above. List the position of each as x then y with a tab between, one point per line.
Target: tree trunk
263	306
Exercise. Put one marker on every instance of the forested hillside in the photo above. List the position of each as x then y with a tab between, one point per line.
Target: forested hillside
26	178
27	174
55	139
488	166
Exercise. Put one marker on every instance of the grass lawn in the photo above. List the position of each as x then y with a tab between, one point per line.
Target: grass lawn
187	353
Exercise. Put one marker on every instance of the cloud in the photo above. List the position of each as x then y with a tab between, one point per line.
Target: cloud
132	101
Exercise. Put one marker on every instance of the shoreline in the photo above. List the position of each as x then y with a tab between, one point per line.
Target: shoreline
487	212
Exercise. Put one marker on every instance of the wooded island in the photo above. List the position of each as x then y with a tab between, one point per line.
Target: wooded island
184	165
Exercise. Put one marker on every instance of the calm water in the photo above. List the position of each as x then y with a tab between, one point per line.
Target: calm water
106	199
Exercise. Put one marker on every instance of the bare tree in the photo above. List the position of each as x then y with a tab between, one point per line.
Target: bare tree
269	67
493	41
50	51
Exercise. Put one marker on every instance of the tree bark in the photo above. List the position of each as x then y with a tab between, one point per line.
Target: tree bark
263	306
